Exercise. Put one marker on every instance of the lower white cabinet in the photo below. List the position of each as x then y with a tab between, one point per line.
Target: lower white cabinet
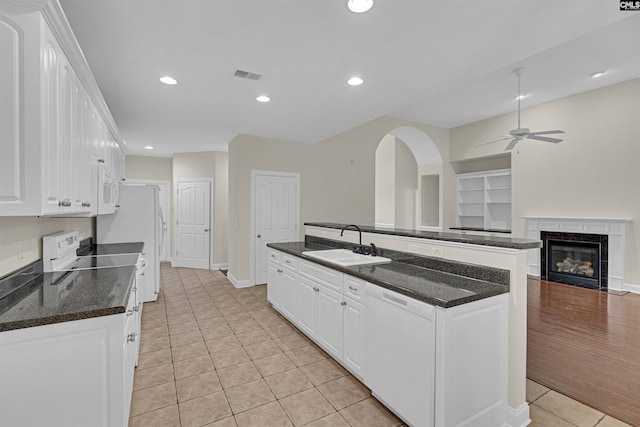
288	293
70	374
432	366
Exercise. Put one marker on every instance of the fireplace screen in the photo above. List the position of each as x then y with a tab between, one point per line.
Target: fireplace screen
575	263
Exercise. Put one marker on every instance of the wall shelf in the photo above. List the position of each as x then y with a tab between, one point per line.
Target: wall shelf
484	200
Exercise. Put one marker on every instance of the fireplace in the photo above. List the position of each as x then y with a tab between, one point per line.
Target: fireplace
575	259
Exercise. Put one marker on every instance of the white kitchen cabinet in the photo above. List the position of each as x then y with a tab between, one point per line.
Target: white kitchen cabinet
353	326
288	293
79	373
45	168
282	284
307	306
330	321
273	284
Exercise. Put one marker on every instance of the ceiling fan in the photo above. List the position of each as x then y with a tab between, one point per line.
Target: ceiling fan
517	135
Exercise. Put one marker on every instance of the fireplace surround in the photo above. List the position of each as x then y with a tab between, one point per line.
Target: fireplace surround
575	259
612	228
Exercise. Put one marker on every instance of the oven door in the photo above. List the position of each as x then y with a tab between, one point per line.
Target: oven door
108	192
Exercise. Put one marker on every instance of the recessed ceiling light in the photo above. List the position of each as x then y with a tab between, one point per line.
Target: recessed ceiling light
355	81
168	80
263	98
148	147
597	74
359	6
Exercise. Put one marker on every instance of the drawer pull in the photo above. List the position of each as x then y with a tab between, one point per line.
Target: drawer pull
353	289
317	289
131	337
343	303
130	312
288	262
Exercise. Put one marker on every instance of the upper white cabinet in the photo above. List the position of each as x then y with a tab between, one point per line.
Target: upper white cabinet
484	200
51	133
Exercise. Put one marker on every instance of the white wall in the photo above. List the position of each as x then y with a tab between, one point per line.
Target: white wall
593	173
406	183
385	176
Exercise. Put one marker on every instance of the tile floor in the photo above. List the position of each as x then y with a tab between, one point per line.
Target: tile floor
212	355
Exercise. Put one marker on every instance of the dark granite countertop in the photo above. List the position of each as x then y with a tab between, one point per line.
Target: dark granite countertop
497	241
63	296
407	274
111	249
486	230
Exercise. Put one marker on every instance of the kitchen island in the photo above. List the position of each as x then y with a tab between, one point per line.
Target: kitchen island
505	253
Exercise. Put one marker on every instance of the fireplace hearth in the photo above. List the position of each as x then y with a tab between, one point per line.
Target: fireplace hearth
575	259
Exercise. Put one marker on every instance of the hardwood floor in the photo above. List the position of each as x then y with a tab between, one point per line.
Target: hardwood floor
586	344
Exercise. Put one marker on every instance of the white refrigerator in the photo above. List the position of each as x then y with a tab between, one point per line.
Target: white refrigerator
139	218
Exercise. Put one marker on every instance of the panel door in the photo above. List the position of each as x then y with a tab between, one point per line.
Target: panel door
276	207
330	321
289	293
353	340
307	306
193	224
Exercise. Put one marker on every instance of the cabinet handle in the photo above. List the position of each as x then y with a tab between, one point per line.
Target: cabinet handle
100	160
131	337
129	312
136	308
315	288
279	271
273	256
288	262
343	303
353	289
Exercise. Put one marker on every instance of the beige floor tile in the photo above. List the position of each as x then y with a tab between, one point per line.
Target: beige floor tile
222	359
214	322
164	417
271	365
209	313
262	349
226	422
155	314
154	344
323	371
181	318
246	326
249	395
153	376
223	344
154	358
197	385
260	313
291	342
271	415
608	421
203	410
189	351
238	374
217	332
535	390
288	383
542	418
306	406
152	398
568	409
344	392
154	332
282	329
232	308
185	338
333	420
193	366
153	323
253	337
369	413
234	319
180	328
305	355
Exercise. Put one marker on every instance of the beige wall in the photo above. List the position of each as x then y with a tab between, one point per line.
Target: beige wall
593	173
385	176
21	237
142	167
337	178
406	183
212	165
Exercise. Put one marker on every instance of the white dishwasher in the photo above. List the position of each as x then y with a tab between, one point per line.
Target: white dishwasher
400	349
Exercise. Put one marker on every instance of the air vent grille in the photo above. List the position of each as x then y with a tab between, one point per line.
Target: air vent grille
247	75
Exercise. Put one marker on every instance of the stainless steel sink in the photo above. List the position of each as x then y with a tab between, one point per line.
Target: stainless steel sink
345	257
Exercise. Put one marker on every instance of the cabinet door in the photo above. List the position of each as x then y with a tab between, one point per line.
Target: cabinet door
289	296
273	284
353	340
65	114
307	306
330	312
51	63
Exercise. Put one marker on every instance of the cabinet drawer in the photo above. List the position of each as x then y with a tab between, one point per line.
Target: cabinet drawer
354	288
325	276
275	256
290	262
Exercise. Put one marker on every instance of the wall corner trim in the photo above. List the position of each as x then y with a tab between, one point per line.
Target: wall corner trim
246	283
518	417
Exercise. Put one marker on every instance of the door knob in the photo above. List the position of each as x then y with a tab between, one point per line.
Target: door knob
206	230
259	236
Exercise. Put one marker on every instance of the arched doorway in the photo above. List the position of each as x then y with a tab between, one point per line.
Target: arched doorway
407	187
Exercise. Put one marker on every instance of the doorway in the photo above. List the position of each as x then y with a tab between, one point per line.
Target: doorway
275	213
164	200
193	223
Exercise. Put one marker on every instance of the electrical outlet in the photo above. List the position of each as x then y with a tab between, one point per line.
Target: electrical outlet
439	252
22	246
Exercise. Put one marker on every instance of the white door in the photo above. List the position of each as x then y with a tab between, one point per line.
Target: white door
193	224
276	202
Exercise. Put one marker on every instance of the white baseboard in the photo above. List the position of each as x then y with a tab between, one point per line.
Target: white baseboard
239	283
223	266
631	287
518	417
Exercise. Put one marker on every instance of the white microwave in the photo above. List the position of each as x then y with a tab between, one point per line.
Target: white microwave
108	191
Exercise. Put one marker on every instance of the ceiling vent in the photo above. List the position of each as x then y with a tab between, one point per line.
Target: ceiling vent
247	75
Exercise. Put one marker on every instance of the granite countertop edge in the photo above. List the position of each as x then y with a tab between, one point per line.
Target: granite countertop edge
470	239
62	318
497	289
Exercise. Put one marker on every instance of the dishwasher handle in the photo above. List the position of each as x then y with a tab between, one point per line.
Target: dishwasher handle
403	302
395	299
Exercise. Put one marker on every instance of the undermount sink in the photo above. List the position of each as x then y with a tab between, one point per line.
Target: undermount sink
345	257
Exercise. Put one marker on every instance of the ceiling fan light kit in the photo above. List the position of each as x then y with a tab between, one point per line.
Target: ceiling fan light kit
520	133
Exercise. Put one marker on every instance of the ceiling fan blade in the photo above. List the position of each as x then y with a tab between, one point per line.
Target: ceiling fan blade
543	138
546	132
512	144
492	142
